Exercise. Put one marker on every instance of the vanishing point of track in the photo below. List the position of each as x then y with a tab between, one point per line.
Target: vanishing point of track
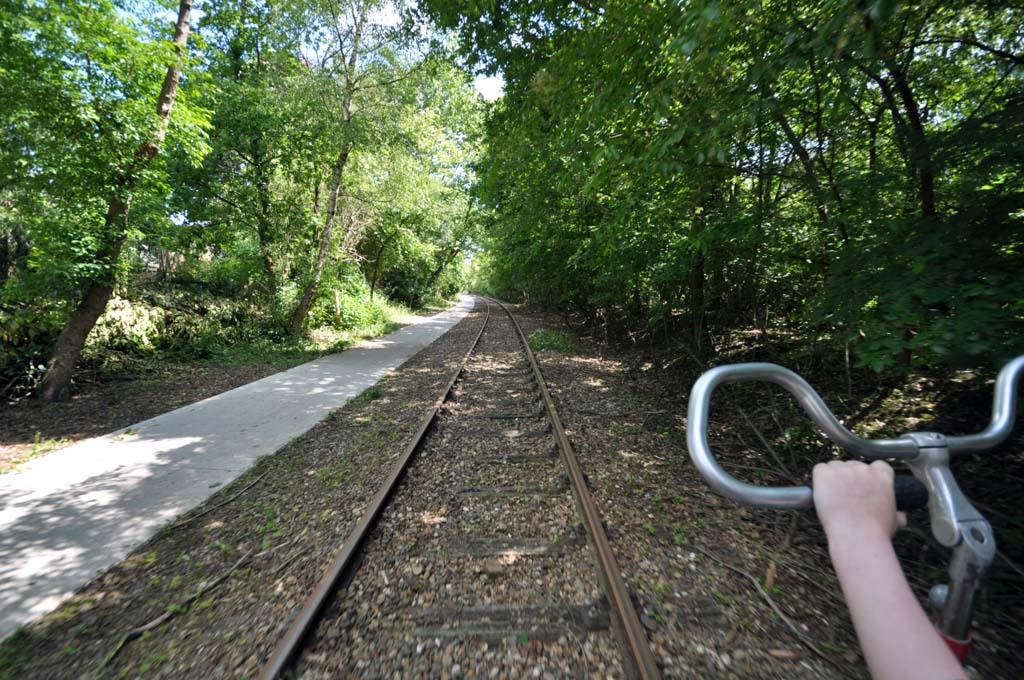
521	406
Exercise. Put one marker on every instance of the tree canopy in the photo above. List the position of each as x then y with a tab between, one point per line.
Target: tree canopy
844	167
313	151
848	170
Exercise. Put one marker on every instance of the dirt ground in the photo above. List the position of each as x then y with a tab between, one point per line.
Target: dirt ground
724	591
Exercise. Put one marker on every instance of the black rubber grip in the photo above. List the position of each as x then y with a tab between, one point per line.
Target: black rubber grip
911	494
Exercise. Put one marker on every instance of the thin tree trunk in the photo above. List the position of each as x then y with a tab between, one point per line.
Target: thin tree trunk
920	149
913	123
56	382
445	261
921	158
698	307
376	265
820	204
299	315
264	220
698	303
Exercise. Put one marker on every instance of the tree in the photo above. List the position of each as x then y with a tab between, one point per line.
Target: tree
679	165
82	144
345	82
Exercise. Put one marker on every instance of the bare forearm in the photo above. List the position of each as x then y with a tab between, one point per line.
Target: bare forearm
898	640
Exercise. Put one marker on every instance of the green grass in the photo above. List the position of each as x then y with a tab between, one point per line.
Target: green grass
370	394
559	341
15	651
333	477
288	353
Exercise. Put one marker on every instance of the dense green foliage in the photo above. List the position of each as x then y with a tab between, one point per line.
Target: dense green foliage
852	169
315	165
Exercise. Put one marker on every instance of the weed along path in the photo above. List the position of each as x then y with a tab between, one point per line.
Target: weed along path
67	516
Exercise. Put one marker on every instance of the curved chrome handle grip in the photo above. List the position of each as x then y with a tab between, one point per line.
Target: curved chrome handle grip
779	496
1004	410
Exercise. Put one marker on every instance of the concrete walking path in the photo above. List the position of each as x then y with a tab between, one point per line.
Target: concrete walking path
70	515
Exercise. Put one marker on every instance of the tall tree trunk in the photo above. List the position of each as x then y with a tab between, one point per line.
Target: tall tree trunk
264	220
56	381
920	149
913	122
920	156
814	182
306	301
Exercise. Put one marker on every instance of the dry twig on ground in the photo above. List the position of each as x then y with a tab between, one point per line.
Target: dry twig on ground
189	520
806	641
183	605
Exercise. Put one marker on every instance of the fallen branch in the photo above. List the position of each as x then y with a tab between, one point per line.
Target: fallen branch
288	560
172	611
189	520
15	379
1013	565
764	442
806	641
183	605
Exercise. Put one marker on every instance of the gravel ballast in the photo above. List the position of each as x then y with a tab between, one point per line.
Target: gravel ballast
479	567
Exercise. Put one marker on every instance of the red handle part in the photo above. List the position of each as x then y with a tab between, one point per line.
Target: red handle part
960	648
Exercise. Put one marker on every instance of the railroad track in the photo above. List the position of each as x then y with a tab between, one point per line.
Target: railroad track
482	554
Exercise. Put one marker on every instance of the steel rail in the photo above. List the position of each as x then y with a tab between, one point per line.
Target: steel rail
291	642
632	630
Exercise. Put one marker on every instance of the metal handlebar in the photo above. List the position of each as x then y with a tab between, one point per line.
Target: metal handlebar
785	497
955	522
1004	411
793	497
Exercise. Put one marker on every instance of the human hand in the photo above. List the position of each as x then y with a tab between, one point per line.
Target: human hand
855	499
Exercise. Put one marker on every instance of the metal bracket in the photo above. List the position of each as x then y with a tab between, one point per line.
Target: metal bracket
956	524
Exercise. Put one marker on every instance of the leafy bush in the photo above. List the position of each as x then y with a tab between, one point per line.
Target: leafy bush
128	326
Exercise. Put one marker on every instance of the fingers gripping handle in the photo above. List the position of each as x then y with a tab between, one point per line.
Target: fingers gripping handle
910	493
779	496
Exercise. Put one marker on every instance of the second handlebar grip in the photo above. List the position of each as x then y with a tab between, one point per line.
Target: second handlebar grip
911	494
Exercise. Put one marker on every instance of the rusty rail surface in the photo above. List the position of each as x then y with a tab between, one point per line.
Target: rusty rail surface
632	631
292	640
624	614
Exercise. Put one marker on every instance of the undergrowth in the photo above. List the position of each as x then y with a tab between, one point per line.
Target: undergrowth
559	341
146	330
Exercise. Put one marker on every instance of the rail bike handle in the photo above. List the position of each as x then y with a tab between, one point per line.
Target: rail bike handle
794	497
1004	411
910	493
783	497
